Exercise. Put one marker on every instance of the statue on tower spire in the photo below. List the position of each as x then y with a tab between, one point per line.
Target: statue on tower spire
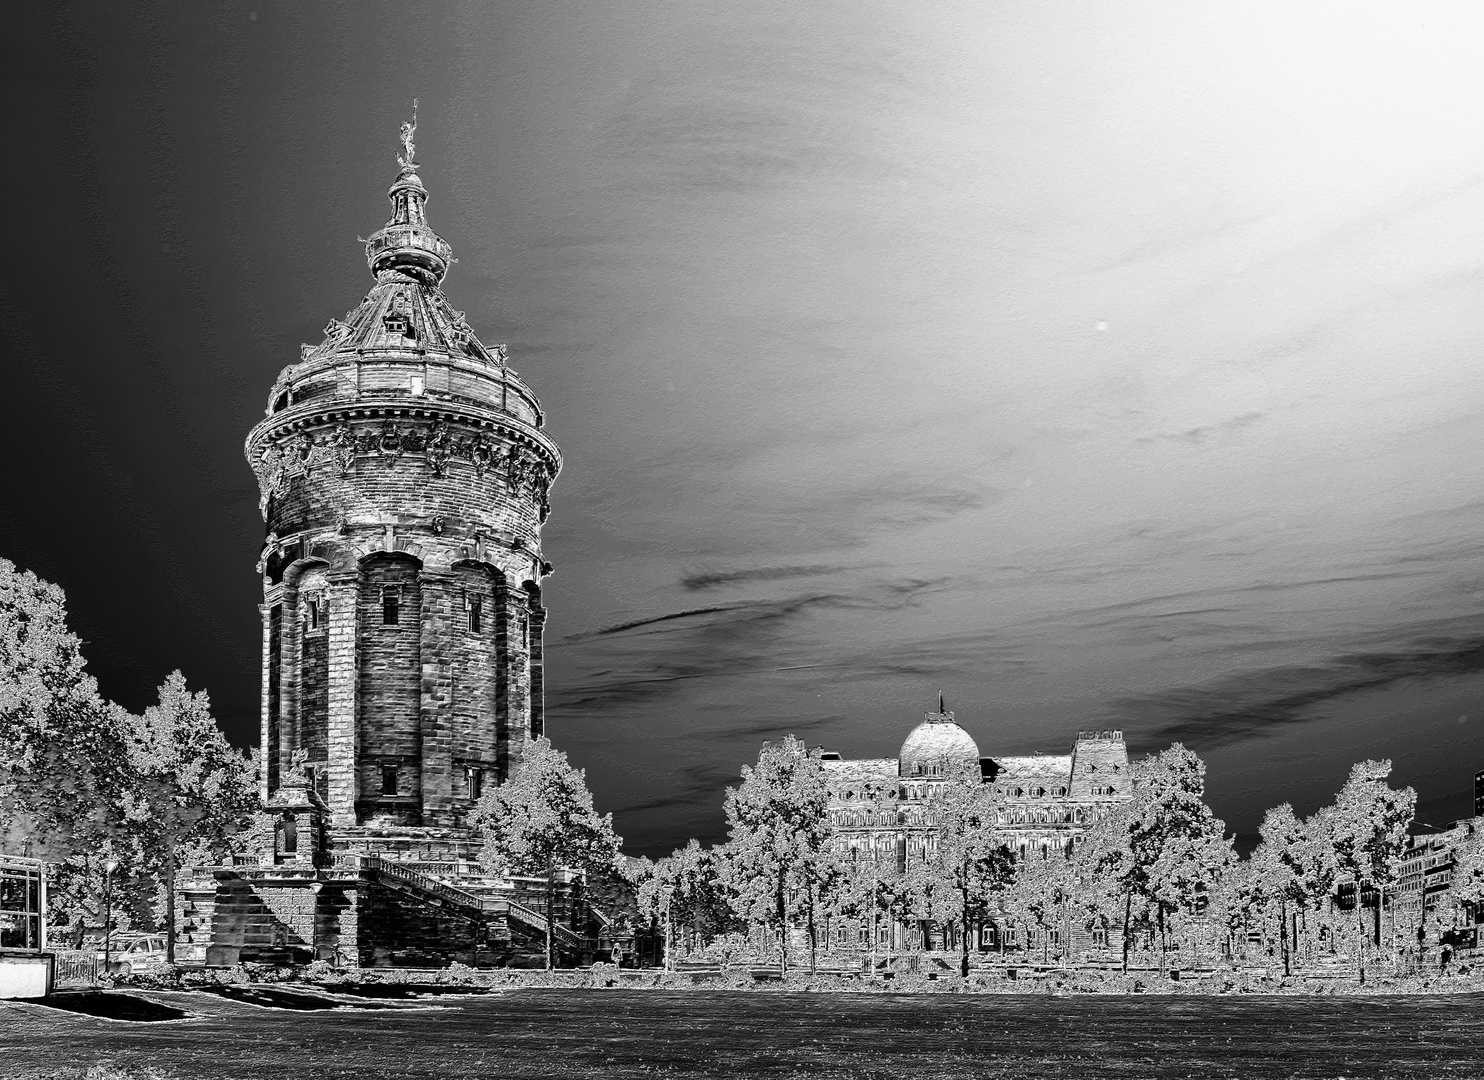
404	159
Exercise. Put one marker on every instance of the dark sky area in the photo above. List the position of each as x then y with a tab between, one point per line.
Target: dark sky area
1105	366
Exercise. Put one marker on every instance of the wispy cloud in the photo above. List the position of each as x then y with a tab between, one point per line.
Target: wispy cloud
643	659
1261	701
1197	435
702	580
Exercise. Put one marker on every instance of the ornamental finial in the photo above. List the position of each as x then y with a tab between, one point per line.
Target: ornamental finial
404	159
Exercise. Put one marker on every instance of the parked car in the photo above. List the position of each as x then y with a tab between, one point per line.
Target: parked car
136	954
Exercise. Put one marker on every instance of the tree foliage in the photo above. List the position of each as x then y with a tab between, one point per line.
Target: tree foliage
191	793
779	829
62	760
542	820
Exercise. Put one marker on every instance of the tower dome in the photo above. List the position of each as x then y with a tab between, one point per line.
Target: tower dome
403	473
934	744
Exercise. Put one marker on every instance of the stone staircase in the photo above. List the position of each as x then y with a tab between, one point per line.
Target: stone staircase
467	889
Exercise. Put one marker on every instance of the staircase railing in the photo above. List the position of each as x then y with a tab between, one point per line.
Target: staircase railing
441	889
538	921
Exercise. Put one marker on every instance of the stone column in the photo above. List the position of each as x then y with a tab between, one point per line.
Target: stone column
269	721
290	663
512	686
437	624
343	740
538	671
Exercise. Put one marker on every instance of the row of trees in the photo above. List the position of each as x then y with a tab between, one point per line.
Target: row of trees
1159	868
116	801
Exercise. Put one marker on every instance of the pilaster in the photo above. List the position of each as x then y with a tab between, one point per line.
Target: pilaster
290	663
343	740
436	706
538	671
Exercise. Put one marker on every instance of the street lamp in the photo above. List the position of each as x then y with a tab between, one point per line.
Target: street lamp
314	891
108	868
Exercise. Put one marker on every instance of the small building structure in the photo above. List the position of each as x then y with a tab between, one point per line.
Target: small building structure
27	969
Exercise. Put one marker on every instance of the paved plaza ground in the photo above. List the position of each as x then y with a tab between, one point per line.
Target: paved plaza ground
282	1034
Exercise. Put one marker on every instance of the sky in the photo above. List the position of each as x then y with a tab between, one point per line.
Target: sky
1103	366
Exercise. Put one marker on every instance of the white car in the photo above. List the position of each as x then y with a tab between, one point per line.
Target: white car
136	954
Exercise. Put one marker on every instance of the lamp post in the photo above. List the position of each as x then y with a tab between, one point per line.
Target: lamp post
108	868
314	891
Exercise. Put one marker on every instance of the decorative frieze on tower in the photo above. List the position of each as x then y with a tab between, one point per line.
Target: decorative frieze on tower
404	478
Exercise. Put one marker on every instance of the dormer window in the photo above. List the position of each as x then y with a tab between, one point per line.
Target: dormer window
397	322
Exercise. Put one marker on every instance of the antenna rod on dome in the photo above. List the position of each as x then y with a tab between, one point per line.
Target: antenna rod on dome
941	707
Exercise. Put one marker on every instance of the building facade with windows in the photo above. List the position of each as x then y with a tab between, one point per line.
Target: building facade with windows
879	806
880	812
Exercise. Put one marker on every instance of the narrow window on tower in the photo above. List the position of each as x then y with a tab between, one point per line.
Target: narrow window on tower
388	779
389	598
473	782
476	614
314	613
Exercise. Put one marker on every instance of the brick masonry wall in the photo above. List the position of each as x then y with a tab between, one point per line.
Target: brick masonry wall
390	698
405	489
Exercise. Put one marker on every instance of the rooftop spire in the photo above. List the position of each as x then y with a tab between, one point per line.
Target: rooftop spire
406	247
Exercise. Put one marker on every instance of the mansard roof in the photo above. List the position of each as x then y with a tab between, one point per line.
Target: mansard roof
1034	765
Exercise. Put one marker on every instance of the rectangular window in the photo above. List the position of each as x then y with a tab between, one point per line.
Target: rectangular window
313	613
476	614
389	599
473	782
388	779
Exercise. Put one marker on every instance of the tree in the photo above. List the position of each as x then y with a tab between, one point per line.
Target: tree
1368	827
685	889
1172	849
1293	865
191	791
542	819
1272	874
779	827
967	859
62	763
1039	895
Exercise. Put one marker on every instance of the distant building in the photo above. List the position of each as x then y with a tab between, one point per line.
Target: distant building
1050	799
1425	881
1049	802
